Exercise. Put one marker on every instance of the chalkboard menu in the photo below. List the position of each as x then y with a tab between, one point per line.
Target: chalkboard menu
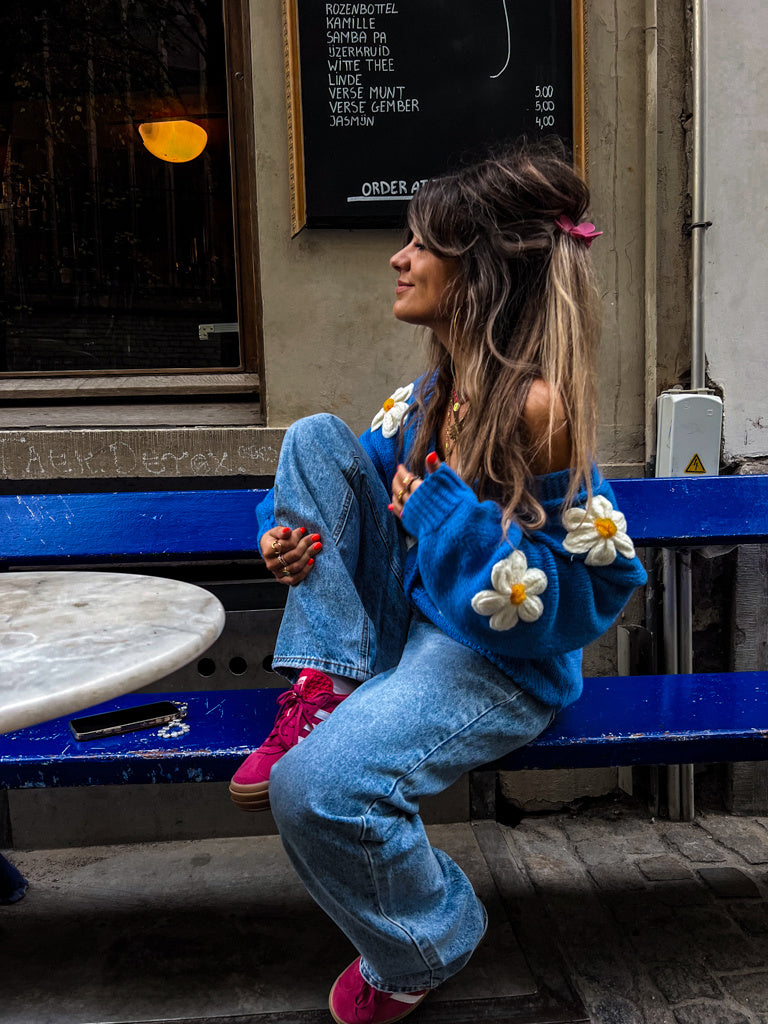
384	94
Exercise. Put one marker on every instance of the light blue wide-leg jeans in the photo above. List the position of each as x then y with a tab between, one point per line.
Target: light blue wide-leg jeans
346	799
350	615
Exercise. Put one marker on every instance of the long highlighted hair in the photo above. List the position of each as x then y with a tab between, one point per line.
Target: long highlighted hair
523	306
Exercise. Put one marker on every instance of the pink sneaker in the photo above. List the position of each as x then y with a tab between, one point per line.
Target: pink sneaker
309	701
354	1001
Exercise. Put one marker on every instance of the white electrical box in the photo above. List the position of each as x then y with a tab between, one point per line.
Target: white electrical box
689	426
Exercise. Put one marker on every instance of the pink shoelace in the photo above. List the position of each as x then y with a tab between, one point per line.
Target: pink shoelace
293	715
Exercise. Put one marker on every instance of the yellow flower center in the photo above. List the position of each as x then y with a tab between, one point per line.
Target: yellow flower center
517	593
606	528
388	404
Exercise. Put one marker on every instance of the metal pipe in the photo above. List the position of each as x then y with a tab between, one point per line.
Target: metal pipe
651	172
669	610
685	614
699	222
674	808
684	781
677	601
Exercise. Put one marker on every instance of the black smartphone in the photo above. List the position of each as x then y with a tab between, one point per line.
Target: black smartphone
110	723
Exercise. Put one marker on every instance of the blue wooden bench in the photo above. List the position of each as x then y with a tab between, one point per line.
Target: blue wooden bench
623	720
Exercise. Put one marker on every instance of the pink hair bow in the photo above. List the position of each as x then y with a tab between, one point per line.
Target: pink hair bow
585	232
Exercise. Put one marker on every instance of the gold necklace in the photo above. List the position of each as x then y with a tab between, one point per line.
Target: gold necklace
454	429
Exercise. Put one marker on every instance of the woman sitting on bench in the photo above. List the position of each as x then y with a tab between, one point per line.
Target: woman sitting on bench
445	570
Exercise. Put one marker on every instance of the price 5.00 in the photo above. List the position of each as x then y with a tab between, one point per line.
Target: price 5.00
544	105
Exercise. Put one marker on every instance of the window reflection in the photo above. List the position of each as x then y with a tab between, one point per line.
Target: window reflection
110	257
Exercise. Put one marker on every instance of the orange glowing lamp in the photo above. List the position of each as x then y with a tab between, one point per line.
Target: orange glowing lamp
176	142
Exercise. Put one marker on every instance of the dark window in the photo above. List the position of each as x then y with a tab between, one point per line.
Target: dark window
117	241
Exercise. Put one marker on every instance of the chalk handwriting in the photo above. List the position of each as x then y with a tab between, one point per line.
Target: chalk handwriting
509	42
39	460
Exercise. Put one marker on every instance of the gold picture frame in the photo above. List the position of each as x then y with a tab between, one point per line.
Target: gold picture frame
292	72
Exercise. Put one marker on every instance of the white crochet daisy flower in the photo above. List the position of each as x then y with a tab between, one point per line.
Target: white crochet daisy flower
391	413
600	530
514	595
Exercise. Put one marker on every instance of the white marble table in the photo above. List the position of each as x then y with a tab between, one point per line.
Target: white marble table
69	640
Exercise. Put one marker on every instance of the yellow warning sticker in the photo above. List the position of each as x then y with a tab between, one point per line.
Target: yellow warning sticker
695	466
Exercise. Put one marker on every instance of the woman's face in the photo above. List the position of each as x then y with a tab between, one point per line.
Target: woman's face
422	280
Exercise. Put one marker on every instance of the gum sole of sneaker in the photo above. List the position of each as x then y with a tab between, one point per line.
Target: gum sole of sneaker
254	797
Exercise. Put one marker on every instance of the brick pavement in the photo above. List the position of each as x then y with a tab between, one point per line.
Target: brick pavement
658	922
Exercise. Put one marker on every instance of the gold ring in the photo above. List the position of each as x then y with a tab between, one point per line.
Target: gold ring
287	571
408	482
400	495
282	561
277	546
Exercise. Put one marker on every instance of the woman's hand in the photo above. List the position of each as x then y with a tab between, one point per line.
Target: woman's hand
405	483
289	554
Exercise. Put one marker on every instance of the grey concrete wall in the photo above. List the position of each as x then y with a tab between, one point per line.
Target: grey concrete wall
736	168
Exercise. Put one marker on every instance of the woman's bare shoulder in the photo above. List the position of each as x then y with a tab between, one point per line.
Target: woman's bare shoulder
550	453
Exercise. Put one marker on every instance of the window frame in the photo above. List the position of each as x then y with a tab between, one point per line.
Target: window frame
70	385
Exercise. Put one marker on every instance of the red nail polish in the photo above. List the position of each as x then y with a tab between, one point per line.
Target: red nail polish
303	530
317	547
311	561
432	458
391	507
315	536
286	531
